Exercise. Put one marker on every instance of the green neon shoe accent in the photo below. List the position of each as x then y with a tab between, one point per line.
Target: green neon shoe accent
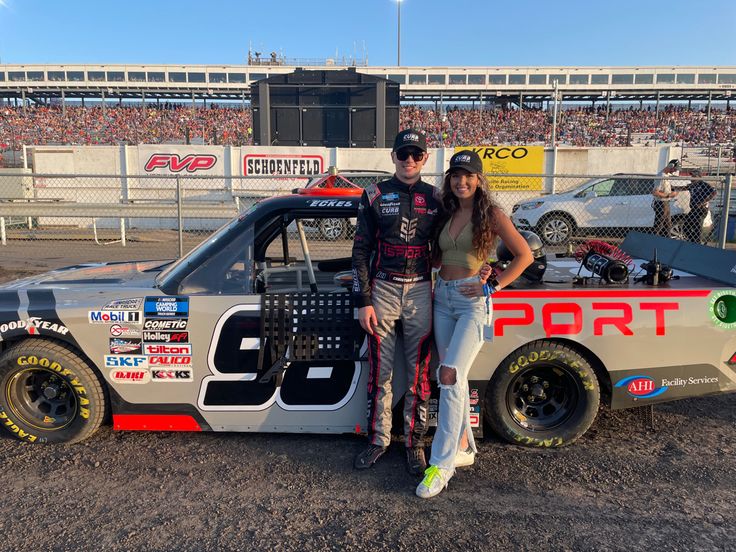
429	474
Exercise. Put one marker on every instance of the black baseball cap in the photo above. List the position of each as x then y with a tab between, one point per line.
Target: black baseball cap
410	138
467	160
673	164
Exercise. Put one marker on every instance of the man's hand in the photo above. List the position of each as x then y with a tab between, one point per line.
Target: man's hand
367	318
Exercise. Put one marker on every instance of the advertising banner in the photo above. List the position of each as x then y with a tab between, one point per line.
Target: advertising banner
511	160
181	160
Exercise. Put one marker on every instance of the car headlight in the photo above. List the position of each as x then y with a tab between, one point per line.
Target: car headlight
530	206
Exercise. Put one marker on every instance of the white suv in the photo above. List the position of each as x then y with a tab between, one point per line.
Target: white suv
608	206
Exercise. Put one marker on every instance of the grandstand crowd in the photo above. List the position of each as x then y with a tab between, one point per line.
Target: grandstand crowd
180	123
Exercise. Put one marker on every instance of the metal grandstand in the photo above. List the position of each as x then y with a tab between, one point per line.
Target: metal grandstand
41	83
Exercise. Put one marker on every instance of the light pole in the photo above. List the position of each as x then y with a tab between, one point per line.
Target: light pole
398	33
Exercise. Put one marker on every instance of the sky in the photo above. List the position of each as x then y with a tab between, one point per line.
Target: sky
433	32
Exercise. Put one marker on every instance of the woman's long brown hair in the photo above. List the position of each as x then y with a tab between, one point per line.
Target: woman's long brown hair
483	218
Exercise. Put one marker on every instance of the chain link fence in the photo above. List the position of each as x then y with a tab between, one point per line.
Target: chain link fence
87	218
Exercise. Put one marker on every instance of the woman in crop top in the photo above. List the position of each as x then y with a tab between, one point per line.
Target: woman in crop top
462	304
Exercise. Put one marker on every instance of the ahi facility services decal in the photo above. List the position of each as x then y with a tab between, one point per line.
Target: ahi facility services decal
641	387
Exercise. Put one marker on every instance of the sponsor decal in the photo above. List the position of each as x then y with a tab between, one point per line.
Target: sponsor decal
32	325
685	382
563	318
393	196
112	317
642	387
125	346
164	349
474	420
270	164
172	162
420	200
126	361
410	137
166	337
722	309
116	330
167	306
130	376
474	397
124	304
389	211
329	203
181	374
408	228
170	360
173	324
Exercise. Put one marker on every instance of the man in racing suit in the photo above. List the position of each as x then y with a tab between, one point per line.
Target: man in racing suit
392	283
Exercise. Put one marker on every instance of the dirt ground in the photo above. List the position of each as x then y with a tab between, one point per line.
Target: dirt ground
620	487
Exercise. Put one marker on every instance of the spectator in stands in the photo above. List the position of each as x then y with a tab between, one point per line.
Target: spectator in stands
663	195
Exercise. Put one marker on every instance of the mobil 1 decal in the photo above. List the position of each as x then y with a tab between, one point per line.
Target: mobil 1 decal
166	307
653	385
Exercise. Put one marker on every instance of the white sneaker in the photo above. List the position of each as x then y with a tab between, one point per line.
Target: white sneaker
464	458
435	480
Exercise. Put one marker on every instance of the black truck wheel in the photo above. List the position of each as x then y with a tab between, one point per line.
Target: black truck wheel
544	394
48	394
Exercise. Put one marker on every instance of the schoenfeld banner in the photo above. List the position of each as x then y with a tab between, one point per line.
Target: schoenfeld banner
500	160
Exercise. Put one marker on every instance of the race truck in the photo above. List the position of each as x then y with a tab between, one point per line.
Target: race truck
255	330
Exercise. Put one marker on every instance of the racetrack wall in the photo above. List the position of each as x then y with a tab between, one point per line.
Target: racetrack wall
231	161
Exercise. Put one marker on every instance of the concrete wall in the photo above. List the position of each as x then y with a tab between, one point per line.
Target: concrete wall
131	160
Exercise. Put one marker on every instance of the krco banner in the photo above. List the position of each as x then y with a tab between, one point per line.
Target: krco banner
181	160
511	160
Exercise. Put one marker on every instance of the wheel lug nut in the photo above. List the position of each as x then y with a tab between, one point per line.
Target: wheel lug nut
534	379
525	387
545	385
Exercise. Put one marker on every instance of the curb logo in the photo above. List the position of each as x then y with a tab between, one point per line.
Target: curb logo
722	309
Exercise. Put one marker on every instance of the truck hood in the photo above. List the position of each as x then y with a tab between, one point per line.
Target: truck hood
138	274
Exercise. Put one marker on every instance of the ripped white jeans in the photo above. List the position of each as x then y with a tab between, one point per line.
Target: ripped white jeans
458	332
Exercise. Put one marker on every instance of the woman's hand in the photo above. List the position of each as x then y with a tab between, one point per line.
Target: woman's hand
485	273
472	289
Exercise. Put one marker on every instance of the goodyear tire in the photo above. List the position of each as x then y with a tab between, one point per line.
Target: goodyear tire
48	394
544	394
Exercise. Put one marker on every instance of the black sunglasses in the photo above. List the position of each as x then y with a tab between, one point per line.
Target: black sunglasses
403	154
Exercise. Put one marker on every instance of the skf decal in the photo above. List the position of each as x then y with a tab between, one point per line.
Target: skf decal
174	324
113	317
641	387
126	361
167	306
124	304
171	161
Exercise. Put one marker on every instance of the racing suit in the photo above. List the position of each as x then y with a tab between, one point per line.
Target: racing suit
392	272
